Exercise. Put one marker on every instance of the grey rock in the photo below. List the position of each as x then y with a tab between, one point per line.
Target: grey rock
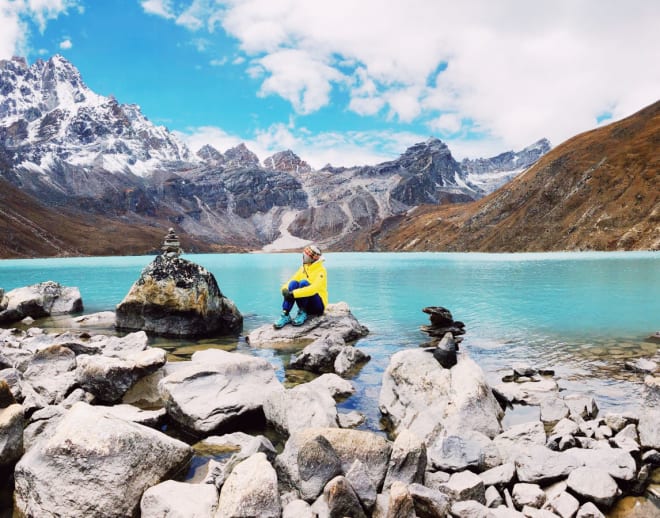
584	406
529	393
336	320
216	388
563	504
11	434
51	372
527	495
96	454
428	503
430	401
250	490
370	449
540	465
464	485
348	359
618	463
618	422
297	509
179	500
565	427
364	488
39	300
175	297
469	449
519	438
589	510
300	407
532	512
108	378
407	462
594	485
649	428
493	497
471	509
318	463
335	385
341	499
320	355
401	503
553	410
350	419
152	418
523	369
627	438
499	476
433	479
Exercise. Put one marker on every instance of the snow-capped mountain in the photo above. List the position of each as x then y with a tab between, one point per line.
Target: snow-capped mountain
49	119
68	146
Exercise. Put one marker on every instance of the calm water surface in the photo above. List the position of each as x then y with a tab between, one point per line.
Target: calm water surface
582	314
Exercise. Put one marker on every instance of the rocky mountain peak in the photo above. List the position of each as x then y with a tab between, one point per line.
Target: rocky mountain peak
240	157
209	154
288	162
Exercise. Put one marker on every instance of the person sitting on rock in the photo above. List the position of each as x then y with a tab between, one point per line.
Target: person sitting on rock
308	288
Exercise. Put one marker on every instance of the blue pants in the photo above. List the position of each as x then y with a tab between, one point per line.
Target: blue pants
311	305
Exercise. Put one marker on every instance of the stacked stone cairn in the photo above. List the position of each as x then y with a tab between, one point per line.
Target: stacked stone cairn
445	333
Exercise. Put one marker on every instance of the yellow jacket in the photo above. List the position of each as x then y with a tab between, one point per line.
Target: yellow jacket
317	277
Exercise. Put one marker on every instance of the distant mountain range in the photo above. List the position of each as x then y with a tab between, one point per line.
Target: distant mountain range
102	169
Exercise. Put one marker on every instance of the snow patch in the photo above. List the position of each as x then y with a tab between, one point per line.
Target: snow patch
286	241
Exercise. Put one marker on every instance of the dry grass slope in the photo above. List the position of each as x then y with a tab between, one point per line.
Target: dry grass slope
597	191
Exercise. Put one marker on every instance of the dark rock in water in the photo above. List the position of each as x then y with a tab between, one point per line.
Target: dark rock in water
654	338
439	316
176	297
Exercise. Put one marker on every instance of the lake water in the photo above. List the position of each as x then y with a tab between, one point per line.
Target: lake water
582	314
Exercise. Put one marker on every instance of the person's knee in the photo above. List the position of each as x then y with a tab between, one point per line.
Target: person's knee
294	285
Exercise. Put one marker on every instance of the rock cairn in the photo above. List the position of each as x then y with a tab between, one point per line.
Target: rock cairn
445	333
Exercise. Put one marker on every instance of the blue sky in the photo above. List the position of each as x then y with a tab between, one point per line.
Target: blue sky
348	82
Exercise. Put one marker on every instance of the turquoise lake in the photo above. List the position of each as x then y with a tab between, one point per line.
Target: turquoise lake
581	314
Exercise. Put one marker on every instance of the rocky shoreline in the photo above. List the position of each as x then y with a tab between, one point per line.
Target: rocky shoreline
83	420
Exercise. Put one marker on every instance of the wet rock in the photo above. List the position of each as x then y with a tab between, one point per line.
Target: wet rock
96	454
420	395
250	490
654	338
216	388
172	498
348	359
175	297
39	300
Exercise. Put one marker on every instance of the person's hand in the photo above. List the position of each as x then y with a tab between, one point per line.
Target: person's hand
287	294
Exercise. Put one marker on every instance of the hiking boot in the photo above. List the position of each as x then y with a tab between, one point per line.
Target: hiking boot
283	320
300	319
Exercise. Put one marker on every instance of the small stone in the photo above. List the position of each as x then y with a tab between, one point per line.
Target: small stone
522	369
528	494
563	504
493	497
589	510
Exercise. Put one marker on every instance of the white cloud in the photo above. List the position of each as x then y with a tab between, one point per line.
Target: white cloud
161	8
447	123
517	70
14	15
66	44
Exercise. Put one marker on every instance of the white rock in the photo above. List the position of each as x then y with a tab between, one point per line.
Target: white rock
179	500
594	485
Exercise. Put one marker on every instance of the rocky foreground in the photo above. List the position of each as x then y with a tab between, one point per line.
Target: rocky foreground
82	421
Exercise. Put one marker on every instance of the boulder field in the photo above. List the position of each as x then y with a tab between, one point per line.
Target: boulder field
94	425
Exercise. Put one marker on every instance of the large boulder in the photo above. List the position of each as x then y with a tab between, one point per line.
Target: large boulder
336	320
176	297
94	464
179	500
372	450
420	395
216	388
39	300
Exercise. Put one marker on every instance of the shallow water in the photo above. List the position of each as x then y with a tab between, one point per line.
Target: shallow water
581	314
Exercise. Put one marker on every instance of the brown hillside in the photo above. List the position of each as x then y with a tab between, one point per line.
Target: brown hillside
28	229
597	191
